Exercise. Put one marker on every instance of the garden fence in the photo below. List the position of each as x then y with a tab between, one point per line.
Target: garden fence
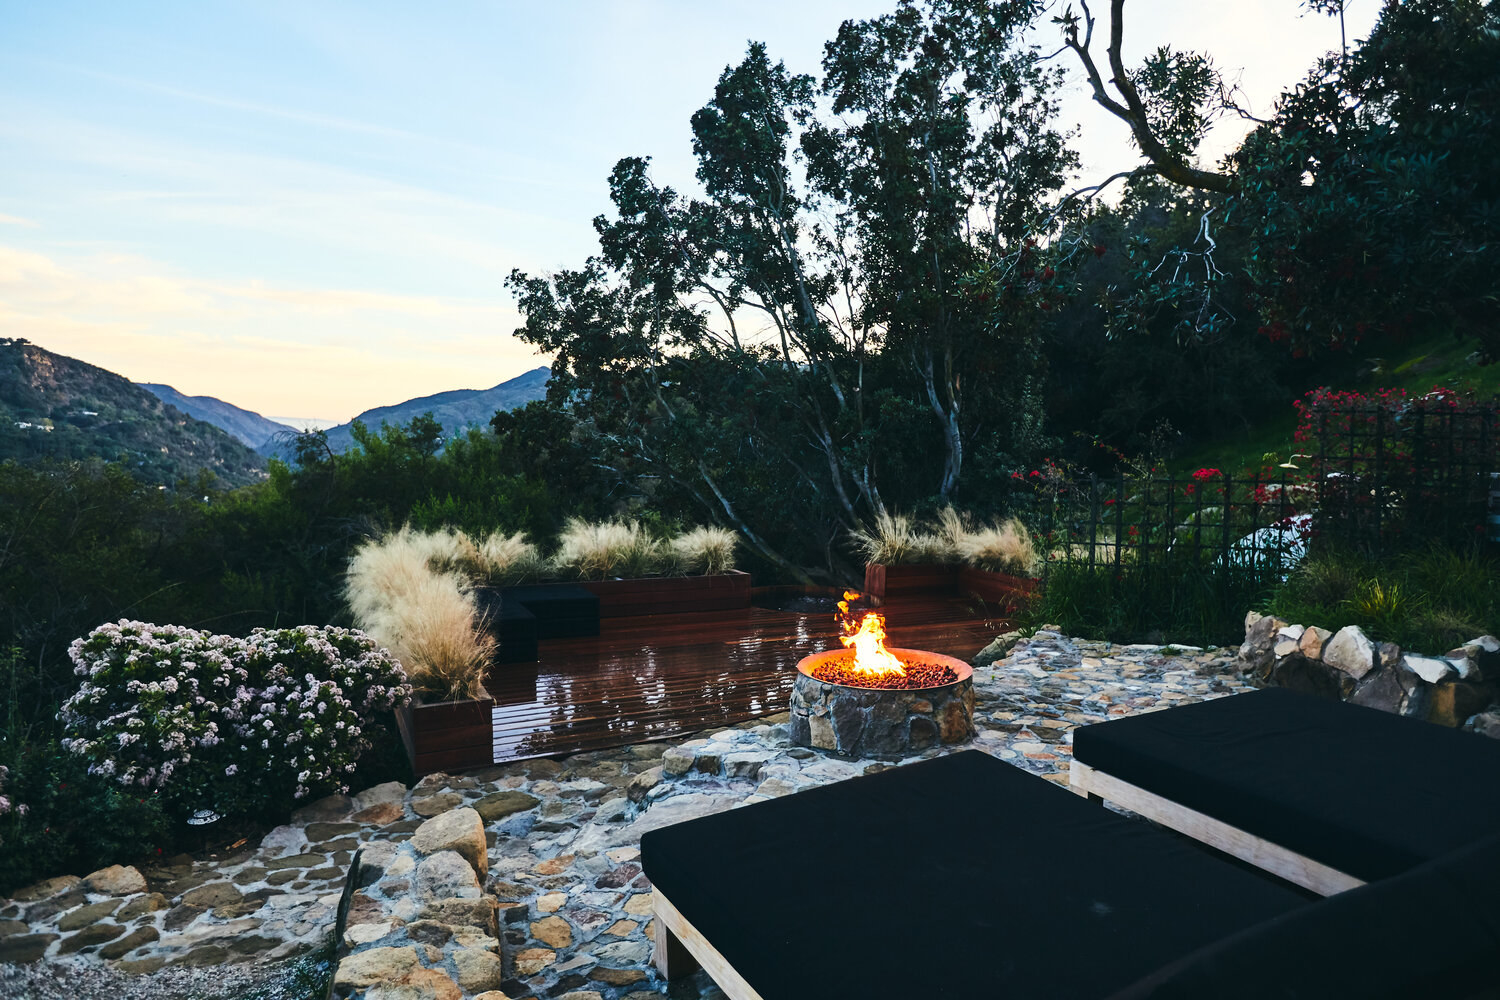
1137	525
1376	477
1390	476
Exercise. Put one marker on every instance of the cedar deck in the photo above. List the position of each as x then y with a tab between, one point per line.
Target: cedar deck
656	676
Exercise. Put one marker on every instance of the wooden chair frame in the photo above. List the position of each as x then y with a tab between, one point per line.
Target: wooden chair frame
1279	861
681	950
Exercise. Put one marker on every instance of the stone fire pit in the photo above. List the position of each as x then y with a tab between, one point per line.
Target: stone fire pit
885	722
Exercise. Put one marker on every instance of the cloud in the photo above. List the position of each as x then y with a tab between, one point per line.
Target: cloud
16	220
327	352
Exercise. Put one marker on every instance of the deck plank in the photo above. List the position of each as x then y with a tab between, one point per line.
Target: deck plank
654	677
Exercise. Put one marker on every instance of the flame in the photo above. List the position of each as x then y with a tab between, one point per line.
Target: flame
867	639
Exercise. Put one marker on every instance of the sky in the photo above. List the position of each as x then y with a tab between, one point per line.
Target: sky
309	208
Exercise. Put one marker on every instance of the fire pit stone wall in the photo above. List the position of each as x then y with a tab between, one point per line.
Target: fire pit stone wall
866	722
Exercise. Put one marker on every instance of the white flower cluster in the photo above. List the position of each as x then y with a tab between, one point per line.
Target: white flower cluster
21	809
238	721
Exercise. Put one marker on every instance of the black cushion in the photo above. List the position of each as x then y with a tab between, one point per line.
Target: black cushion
562	610
512	625
553	600
1433	931
958	877
1363	791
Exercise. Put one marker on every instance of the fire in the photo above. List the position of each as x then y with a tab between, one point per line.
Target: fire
867	638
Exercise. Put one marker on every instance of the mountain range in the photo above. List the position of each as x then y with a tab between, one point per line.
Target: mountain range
60	408
53	406
250	427
455	409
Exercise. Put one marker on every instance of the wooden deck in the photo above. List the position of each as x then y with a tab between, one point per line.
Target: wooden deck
656	676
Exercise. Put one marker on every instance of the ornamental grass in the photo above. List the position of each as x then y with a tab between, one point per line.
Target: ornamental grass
425	615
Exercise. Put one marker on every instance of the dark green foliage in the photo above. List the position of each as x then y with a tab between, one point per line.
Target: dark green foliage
1182	601
75	822
1427	601
1370	198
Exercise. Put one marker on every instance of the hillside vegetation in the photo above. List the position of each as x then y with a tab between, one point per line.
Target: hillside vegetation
56	407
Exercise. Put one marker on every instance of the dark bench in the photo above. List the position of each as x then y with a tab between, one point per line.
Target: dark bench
1323	793
965	876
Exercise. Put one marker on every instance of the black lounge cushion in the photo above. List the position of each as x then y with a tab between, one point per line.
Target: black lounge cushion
1433	931
562	610
513	627
1366	792
958	877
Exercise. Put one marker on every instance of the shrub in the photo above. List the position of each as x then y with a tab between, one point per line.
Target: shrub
234	725
895	541
428	618
1003	548
706	550
155	706
72	820
608	549
508	559
315	690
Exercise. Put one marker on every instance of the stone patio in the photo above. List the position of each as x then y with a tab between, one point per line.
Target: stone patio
574	909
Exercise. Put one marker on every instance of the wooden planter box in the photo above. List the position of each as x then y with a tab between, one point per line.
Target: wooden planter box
658	595
448	735
930	578
919	578
997	588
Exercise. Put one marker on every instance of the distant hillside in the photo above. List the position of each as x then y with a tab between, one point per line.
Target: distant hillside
247	425
455	409
53	406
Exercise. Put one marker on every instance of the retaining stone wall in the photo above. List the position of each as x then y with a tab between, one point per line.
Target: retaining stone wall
1458	688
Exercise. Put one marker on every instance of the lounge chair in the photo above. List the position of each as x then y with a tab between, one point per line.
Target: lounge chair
1325	794
967	877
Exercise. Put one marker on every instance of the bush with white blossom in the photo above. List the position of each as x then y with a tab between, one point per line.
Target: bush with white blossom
225	723
316	687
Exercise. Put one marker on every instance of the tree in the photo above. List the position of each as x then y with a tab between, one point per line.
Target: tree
761	349
1368	199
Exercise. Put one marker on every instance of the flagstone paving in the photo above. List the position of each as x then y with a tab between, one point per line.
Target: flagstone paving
563	837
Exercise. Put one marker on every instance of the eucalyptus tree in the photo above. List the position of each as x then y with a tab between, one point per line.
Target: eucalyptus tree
820	333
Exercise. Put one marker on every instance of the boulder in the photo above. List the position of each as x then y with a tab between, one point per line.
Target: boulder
431	805
1000	647
480	913
1485	724
678	760
1351	651
380	814
376	965
643	783
445	875
499	805
477	970
1315	677
419	984
1312	642
1256	652
47	888
390	791
1429	668
329	809
459	830
1451	703
116	880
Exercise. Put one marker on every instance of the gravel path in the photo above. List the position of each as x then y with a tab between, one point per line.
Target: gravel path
83	979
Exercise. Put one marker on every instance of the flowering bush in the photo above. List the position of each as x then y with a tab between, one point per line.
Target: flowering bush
230	724
153	706
315	688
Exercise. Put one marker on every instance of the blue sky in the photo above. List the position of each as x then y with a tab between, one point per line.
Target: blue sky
309	208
